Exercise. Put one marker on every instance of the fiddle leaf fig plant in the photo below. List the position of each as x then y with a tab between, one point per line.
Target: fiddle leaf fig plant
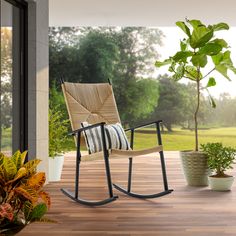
196	51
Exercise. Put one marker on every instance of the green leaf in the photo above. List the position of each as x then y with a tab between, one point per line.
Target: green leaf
182	56
228	62
199	60
226	58
223	62
23	156
184	27
9	168
16	158
232	68
31	166
172	66
211	82
222	69
195	23
192	73
200	36
217	58
220	42
163	63
212	101
220	26
179	73
2	157
183	45
27	209
38	212
210	49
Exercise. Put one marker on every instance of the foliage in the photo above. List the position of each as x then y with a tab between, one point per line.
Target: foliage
137	50
97	56
122	55
136	99
57	131
173	99
193	57
219	158
225	112
22	197
5	80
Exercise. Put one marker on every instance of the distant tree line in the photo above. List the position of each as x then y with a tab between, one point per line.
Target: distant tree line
122	55
125	55
5	81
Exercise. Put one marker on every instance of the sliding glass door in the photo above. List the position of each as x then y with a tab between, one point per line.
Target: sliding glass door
13	77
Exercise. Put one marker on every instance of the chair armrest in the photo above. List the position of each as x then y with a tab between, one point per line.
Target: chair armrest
74	132
143	125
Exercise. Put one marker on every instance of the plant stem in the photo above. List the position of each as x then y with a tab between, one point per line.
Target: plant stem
196	112
209	72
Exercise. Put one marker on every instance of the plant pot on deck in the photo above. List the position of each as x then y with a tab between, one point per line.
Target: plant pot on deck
55	167
194	165
221	183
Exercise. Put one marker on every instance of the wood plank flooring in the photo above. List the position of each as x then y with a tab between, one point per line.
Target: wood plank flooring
191	211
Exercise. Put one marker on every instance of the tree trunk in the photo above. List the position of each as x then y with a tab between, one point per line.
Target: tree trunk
168	127
196	115
162	127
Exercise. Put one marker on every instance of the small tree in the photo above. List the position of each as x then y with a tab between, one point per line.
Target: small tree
195	51
219	158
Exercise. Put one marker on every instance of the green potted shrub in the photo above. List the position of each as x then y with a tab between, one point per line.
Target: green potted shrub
22	198
196	51
57	138
219	159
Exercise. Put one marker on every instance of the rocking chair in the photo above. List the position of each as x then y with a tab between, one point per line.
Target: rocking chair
95	104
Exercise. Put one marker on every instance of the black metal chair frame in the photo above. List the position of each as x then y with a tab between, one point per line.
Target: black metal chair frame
75	196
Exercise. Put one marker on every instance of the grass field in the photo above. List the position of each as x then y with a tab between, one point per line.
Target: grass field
6	139
177	140
184	139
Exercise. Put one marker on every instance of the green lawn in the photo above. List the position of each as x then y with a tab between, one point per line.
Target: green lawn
6	139
177	140
184	139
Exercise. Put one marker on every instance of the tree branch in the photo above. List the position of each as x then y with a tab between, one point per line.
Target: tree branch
208	73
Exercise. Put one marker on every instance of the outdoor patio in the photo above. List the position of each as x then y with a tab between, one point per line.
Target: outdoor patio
187	211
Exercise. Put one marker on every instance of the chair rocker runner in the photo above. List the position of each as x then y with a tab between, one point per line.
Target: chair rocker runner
95	104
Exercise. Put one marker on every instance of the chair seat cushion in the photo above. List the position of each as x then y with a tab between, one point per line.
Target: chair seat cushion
114	134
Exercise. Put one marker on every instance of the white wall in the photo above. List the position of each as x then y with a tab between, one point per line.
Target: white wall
138	12
38	82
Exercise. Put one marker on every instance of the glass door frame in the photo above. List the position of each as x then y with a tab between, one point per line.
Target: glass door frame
22	5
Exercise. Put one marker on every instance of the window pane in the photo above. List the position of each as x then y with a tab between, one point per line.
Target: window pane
9	79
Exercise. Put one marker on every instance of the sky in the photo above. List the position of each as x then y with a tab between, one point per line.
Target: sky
171	45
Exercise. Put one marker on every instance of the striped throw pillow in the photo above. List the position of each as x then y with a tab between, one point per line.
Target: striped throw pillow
114	134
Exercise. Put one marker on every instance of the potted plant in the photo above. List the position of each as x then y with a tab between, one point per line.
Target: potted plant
219	159
57	138
22	198
189	63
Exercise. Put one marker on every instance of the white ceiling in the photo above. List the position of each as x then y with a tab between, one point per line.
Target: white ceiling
139	12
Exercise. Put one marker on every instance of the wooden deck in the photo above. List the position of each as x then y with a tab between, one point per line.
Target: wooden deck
187	211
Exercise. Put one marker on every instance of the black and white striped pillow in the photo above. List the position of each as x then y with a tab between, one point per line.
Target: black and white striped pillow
114	134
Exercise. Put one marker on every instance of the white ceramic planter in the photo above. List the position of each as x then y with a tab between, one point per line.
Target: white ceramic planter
55	168
221	184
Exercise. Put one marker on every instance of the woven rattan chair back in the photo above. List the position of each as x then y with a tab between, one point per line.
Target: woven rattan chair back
93	103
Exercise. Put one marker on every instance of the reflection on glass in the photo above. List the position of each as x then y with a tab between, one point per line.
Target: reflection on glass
9	76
